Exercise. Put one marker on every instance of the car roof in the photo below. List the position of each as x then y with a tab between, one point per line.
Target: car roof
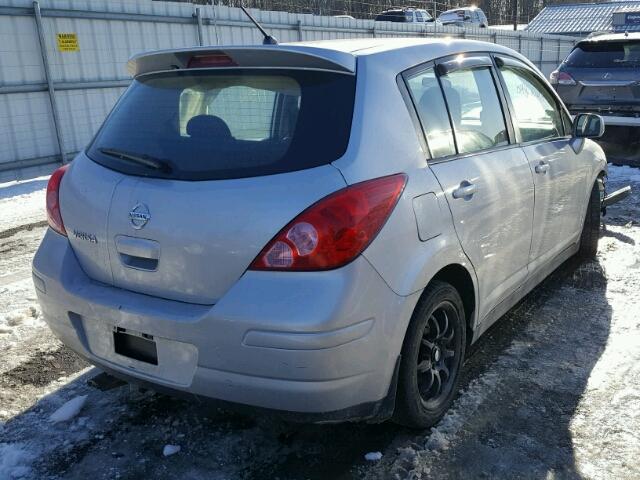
609	37
460	8
400	9
373	46
396	54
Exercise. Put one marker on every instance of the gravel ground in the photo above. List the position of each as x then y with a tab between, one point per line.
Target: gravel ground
551	391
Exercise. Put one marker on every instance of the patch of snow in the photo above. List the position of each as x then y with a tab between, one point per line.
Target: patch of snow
463	408
69	410
169	450
23	202
630	174
373	456
15	461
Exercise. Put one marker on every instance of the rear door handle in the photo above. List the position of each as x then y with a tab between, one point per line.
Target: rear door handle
465	190
542	167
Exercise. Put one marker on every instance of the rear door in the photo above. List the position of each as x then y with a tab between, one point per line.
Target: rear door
559	172
486	179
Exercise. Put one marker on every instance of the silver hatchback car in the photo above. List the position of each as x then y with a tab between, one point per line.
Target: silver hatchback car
320	229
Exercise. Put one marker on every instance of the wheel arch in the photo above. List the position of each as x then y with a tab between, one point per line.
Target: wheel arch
459	276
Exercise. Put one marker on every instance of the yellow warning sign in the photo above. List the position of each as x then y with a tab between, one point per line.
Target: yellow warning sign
68	42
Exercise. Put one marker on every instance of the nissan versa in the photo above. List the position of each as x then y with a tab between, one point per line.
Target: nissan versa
320	229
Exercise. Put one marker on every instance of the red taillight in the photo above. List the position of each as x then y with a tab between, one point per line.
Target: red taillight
335	230
54	217
561	78
211	60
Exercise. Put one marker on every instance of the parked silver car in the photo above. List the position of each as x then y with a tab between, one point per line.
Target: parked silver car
321	229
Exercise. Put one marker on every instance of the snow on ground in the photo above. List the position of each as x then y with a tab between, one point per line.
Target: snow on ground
69	410
623	175
22	220
14	461
552	391
373	456
20	314
22	202
562	400
169	450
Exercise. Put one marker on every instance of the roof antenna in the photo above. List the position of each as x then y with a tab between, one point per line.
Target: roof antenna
268	39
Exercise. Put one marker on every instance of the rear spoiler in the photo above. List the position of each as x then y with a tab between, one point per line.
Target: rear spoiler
268	56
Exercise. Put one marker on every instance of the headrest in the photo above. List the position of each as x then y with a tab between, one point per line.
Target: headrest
208	126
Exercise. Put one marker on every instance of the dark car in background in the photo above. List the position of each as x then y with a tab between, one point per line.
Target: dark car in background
602	75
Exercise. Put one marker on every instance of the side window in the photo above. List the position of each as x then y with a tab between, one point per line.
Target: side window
475	109
419	16
432	111
535	112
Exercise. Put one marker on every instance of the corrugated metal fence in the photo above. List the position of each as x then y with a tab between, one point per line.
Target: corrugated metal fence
54	95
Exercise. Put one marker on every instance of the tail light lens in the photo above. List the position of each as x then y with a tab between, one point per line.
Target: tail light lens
54	217
335	230
561	78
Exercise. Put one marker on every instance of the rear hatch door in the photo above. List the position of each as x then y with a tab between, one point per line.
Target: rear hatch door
198	238
608	86
208	165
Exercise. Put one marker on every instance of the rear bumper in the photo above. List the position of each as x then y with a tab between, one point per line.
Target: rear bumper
311	343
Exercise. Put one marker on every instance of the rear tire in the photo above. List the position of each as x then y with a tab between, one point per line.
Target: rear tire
432	355
591	227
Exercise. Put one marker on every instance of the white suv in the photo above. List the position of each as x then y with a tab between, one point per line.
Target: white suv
464	17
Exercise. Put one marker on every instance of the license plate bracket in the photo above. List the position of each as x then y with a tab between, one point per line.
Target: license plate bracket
138	346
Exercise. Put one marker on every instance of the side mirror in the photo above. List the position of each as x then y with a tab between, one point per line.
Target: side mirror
588	125
467	17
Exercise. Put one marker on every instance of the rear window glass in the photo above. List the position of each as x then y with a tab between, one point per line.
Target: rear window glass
429	102
605	55
234	123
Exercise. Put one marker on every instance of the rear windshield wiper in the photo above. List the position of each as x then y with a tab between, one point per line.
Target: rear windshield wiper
144	160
